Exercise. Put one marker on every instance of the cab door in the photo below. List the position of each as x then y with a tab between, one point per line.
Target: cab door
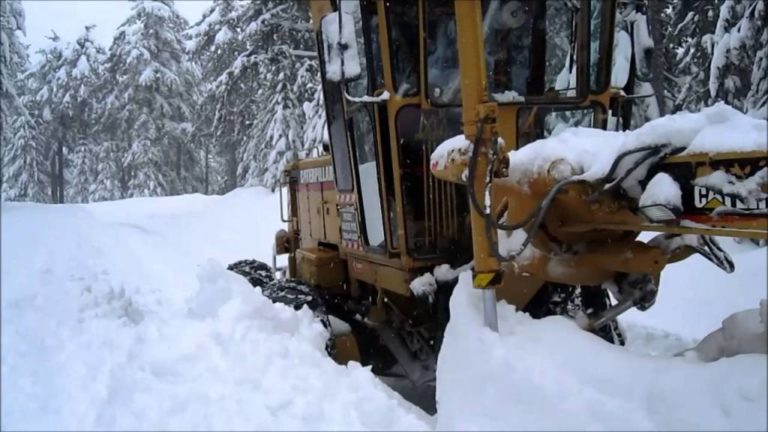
361	125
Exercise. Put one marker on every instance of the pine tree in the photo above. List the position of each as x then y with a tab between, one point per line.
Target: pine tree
289	131
288	78
63	83
13	56
24	163
739	64
151	87
45	80
145	159
724	83
215	41
279	127
236	87
81	173
108	177
81	65
13	60
757	97
692	40
315	129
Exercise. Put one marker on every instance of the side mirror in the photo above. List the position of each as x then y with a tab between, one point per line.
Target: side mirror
341	60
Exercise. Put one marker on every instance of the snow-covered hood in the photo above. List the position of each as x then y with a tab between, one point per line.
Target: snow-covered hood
590	152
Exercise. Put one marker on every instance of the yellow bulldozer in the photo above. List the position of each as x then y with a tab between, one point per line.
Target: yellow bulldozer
427	104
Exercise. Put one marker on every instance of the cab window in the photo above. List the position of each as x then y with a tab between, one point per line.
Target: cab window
529	48
443	80
361	122
403	18
534	123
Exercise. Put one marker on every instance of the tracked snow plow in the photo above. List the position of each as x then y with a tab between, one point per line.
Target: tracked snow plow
447	152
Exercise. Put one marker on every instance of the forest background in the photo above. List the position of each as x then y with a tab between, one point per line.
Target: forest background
172	107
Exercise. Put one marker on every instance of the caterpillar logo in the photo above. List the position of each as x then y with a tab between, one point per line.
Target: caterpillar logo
315	175
707	199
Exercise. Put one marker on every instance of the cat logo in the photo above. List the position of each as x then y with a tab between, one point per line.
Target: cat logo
707	199
316	175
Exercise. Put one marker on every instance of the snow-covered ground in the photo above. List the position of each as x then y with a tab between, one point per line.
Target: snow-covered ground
121	315
549	375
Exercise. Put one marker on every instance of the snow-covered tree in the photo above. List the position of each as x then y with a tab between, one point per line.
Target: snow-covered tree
274	68
151	88
43	80
279	127
215	42
81	68
284	126
24	163
81	173
63	89
145	159
108	176
739	62
289	76
691	40
13	56
315	124
13	60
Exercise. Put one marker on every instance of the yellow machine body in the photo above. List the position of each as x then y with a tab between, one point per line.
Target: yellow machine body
372	215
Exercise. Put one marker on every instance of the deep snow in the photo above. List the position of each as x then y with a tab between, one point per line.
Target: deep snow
547	374
121	315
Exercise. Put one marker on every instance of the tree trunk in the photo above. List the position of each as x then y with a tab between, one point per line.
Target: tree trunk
207	166
232	166
124	175
60	171
656	22
54	179
178	169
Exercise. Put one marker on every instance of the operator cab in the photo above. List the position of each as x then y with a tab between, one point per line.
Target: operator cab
381	147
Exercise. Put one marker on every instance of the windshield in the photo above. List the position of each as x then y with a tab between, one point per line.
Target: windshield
443	82
529	47
404	46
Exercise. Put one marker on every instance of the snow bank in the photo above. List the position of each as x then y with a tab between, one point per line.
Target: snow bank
121	315
695	296
742	332
591	152
548	374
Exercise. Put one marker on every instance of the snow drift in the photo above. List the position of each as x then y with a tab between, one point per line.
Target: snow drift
547	374
121	315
